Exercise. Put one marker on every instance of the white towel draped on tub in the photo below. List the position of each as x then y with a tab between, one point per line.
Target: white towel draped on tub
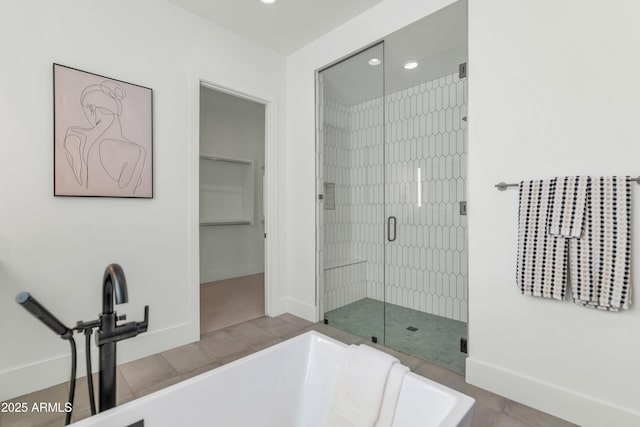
368	386
542	259
391	394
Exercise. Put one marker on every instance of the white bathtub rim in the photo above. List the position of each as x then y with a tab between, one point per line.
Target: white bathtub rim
463	406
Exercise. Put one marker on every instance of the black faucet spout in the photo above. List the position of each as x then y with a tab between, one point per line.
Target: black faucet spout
114	286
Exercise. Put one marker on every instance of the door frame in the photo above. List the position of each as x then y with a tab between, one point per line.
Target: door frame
273	300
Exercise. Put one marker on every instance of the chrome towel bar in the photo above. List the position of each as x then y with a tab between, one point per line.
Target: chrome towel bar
502	186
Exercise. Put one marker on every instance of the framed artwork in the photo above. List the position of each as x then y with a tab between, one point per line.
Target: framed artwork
103	136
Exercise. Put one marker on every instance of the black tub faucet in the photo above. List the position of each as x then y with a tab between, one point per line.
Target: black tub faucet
113	282
114	287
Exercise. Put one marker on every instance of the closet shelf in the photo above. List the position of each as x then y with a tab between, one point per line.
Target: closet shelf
226	191
226	159
227	222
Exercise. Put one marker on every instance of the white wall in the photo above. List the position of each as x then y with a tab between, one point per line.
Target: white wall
233	127
372	25
552	92
57	248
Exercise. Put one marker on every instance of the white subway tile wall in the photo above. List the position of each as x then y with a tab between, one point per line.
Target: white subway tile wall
344	285
426	266
337	164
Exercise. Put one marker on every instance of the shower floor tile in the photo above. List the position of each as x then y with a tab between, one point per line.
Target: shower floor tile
436	338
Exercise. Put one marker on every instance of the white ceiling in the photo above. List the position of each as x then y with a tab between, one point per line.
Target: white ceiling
438	42
285	26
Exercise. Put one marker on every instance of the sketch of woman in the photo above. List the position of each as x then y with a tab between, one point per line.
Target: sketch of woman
102	148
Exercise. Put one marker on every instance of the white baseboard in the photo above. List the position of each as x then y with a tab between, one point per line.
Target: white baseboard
577	408
230	272
301	309
46	373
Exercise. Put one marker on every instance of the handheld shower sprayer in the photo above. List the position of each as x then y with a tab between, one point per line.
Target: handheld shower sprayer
34	307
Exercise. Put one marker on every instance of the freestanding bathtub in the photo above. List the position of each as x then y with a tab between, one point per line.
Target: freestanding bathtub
287	385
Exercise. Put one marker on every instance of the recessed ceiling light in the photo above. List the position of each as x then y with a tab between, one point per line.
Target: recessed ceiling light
374	61
268	1
410	65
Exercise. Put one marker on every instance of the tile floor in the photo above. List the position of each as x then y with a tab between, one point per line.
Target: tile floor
436	338
152	373
231	301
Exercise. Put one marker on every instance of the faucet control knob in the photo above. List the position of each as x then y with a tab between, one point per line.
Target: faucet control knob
124	331
122	317
142	326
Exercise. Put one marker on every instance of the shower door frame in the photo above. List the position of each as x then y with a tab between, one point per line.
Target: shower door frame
319	173
320	217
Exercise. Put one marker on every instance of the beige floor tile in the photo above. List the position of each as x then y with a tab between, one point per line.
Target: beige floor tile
483	397
33	423
80	415
296	333
533	417
121	400
221	345
504	420
187	357
249	333
158	386
81	401
143	373
266	344
276	326
56	394
483	416
229	302
287	317
201	370
235	356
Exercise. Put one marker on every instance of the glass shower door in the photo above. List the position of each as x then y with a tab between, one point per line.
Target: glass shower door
351	191
425	197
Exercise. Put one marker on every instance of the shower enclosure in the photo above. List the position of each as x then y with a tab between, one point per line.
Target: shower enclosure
391	184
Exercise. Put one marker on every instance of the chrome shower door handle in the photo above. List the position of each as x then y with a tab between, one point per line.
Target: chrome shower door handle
389	220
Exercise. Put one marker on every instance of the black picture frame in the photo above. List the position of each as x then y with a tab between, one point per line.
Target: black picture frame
103	136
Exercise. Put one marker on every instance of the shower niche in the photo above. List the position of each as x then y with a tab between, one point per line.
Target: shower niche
392	236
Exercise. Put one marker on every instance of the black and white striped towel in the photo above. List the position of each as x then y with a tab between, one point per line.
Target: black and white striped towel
601	259
567	208
542	258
